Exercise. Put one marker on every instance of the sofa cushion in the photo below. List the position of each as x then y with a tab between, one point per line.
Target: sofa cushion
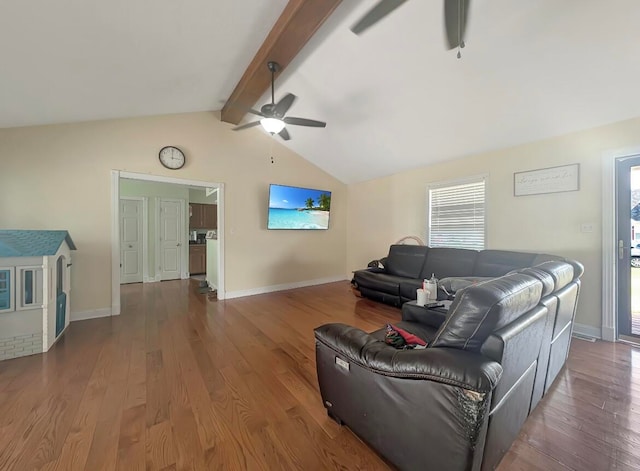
545	278
373	279
545	257
561	273
405	260
499	262
454	284
481	309
445	262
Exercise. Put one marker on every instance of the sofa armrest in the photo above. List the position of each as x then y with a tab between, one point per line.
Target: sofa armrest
468	370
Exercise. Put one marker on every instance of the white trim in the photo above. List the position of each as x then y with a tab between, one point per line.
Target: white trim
609	277
145	232
157	269
587	330
91	314
115	242
285	286
115	227
221	239
184	241
162	179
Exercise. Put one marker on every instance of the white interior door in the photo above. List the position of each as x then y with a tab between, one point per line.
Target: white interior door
171	239
131	267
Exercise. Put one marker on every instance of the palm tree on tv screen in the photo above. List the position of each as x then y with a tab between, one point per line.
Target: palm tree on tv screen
325	202
309	203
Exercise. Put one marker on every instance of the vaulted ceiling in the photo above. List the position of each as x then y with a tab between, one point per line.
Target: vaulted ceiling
393	98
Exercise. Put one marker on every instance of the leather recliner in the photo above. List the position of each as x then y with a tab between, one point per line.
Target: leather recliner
459	403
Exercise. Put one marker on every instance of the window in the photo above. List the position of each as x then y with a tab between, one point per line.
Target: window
6	289
457	214
29	287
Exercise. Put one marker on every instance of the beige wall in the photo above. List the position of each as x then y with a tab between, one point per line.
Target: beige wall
58	177
383	210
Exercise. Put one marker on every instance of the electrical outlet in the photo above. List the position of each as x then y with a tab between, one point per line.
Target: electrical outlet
586	227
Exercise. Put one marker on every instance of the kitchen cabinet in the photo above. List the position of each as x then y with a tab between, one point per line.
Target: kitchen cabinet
210	216
203	216
197	259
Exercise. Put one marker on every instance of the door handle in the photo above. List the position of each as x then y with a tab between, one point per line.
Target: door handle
178	244
130	246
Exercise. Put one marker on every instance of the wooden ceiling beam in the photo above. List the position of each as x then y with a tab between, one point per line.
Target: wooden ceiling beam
298	22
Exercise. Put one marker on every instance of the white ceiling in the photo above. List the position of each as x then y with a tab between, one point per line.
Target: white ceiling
393	98
77	60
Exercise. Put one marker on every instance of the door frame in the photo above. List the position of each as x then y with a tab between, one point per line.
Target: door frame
609	241
184	244
145	232
115	227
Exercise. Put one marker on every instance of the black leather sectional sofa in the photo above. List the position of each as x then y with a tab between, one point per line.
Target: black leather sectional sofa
458	404
395	280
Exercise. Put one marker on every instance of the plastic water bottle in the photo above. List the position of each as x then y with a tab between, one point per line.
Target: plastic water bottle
432	287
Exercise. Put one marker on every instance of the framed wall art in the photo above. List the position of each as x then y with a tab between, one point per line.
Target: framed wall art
547	180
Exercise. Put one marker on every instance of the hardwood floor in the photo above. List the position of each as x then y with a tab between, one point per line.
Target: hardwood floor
179	382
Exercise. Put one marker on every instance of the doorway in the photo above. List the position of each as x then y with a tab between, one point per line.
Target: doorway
168	219
133	239
627	180
171	238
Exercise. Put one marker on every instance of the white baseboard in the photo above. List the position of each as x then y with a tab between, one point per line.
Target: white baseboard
608	334
282	287
587	330
92	314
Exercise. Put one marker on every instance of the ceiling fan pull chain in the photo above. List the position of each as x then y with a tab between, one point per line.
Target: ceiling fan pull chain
271	151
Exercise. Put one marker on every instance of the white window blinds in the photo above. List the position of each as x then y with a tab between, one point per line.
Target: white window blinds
457	215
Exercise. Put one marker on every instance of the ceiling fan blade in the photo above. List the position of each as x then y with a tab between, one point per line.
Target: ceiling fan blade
245	126
252	111
304	122
283	105
455	20
382	9
284	134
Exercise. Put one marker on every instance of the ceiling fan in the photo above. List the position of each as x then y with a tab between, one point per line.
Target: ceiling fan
455	18
273	114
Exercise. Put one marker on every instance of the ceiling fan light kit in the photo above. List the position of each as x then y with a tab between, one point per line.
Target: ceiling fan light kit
273	114
272	125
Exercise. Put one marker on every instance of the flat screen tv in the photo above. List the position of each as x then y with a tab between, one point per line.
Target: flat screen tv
291	207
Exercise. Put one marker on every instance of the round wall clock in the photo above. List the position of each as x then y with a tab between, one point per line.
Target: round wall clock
172	157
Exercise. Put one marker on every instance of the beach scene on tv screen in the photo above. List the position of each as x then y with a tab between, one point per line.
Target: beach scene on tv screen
298	208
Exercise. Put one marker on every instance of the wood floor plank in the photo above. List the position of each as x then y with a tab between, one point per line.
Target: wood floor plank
180	382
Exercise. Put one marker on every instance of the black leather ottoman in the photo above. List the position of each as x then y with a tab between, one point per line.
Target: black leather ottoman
432	316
